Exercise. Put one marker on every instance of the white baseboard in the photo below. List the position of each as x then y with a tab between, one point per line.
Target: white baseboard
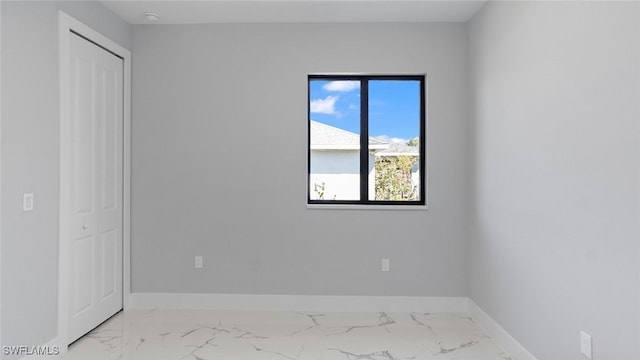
315	303
48	351
499	335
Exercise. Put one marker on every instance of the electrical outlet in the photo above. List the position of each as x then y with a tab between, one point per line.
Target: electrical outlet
27	202
199	263
586	345
385	265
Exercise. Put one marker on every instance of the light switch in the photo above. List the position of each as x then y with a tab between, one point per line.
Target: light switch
585	345
27	202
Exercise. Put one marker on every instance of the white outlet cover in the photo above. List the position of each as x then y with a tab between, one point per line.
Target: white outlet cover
586	345
385	265
198	264
27	202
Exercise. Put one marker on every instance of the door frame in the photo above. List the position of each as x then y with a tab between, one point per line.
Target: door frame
67	25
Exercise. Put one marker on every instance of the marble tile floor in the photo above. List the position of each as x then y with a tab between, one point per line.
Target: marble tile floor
230	335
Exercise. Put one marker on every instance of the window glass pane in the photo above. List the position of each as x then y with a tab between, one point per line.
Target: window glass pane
334	114
394	131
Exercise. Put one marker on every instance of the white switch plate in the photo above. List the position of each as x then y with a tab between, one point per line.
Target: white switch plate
199	262
385	265
586	345
27	202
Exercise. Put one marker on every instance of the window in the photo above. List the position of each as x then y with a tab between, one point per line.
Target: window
366	140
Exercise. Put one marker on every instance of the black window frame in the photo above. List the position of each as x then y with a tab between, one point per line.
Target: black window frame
364	138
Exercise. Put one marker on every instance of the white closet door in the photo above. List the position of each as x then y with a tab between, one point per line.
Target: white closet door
96	186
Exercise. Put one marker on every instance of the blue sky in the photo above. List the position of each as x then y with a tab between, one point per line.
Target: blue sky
394	107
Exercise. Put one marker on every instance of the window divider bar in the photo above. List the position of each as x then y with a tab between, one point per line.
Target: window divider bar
364	140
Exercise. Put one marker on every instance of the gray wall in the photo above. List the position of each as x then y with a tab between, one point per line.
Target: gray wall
219	163
555	94
30	90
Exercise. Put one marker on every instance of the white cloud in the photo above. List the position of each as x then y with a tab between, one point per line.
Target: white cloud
341	86
324	106
391	140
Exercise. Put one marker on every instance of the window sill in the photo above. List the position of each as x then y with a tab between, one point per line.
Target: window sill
367	207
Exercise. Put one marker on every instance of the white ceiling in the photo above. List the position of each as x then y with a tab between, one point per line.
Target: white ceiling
295	11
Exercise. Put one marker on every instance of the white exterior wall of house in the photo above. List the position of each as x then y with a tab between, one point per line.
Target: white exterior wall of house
415	179
339	171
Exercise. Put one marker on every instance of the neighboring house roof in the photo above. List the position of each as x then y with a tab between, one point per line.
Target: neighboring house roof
326	137
399	150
